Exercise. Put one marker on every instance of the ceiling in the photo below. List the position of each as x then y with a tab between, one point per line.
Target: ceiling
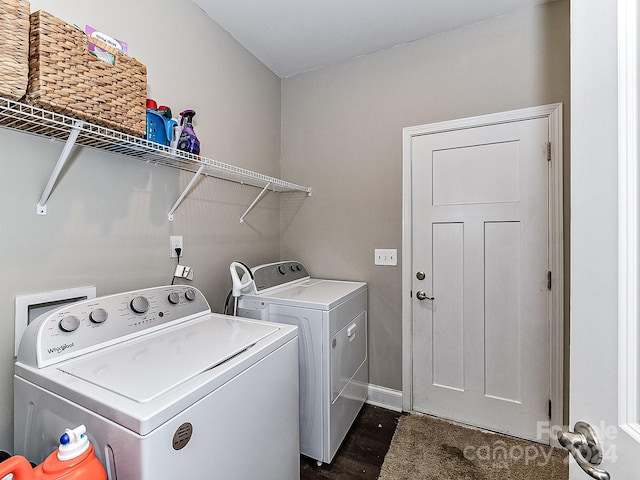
294	36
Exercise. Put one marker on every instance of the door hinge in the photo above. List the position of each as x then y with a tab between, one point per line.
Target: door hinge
549	280
548	151
549	408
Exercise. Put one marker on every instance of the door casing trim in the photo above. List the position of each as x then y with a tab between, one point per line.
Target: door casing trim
628	348
556	241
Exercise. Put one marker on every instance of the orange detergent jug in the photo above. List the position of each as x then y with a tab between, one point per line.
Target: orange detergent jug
74	460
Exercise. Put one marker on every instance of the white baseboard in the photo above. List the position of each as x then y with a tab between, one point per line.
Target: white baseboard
385	397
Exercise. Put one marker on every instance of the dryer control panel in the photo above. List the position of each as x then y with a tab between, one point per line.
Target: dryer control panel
89	325
272	275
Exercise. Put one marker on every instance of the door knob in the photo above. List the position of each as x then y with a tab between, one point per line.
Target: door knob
420	295
585	447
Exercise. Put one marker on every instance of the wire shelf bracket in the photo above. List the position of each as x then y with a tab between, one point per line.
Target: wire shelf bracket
41	207
253	204
186	191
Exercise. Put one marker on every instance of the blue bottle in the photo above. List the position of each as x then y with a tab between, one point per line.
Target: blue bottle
188	141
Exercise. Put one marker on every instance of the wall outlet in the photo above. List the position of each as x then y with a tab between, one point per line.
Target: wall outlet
175	241
183	271
386	256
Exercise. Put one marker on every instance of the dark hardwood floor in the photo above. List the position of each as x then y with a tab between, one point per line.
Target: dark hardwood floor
361	454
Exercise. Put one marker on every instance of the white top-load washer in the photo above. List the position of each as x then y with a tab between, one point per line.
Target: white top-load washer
331	316
165	388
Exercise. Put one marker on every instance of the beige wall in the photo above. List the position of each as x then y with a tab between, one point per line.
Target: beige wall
341	134
107	223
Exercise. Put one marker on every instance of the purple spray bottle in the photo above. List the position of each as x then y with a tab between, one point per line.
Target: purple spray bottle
188	141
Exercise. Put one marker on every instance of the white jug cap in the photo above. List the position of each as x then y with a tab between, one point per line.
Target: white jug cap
73	443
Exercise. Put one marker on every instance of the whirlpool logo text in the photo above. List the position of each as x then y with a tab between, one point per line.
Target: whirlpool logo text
61	348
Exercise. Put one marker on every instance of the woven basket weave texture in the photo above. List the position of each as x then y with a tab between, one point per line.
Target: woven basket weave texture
65	78
14	48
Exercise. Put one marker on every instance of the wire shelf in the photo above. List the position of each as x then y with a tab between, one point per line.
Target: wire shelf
37	121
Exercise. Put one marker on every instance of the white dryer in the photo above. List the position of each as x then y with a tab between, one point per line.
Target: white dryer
331	316
165	388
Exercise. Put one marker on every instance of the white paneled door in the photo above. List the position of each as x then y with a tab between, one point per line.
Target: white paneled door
480	275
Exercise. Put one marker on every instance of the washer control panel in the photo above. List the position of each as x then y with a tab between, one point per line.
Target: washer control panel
277	274
89	325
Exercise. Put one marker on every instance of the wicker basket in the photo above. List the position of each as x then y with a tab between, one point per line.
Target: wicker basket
65	78
14	48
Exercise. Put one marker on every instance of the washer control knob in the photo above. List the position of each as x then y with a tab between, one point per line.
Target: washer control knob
173	298
99	315
190	294
69	324
282	269
140	304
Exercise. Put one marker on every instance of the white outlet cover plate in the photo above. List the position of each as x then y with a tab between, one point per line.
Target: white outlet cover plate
175	241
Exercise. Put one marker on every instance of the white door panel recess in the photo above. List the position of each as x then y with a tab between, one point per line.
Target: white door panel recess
480	319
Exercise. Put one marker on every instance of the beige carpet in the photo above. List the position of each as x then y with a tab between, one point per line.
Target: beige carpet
428	448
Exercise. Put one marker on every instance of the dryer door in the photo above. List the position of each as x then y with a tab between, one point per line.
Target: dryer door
348	354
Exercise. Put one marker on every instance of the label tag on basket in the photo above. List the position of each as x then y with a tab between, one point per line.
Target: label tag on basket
109	40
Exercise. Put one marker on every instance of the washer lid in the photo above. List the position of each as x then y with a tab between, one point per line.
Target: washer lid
316	293
145	368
